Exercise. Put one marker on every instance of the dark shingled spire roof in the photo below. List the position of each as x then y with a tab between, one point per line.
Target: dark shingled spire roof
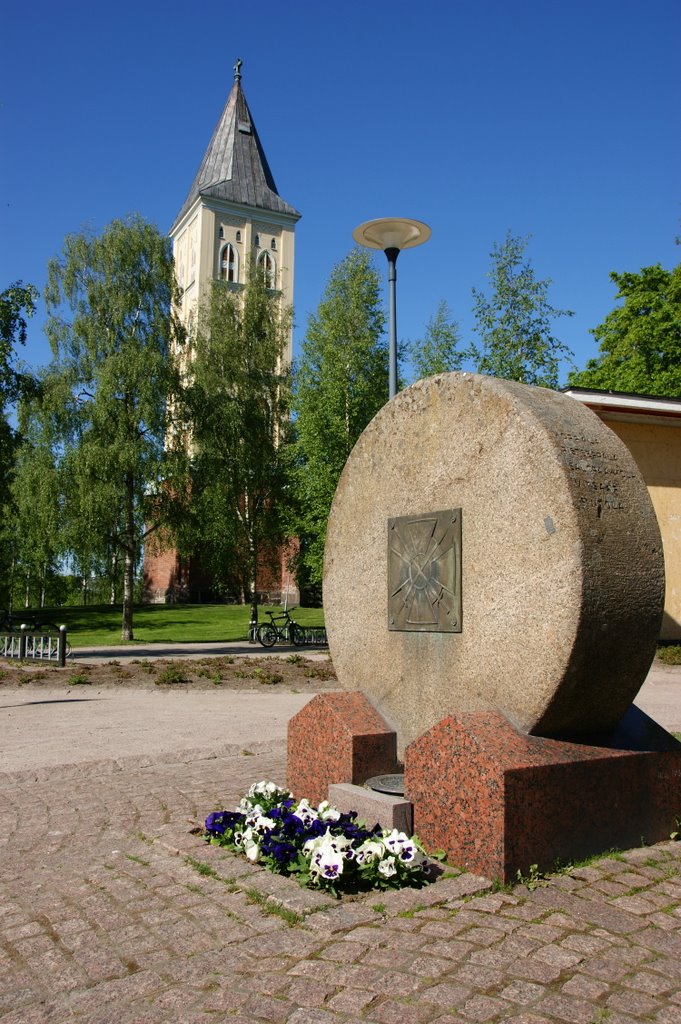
234	166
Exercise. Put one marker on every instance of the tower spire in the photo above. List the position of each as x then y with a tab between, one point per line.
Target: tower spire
234	167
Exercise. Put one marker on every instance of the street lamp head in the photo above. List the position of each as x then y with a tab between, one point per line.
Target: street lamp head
391	233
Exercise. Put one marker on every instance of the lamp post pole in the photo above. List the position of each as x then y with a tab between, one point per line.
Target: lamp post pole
392	234
392	253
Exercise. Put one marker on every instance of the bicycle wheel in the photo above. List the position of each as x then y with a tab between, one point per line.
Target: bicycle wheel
267	635
297	635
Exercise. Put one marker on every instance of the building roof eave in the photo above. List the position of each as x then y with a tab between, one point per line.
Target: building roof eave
626	404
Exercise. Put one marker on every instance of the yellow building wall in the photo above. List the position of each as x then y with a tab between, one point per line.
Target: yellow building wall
656	448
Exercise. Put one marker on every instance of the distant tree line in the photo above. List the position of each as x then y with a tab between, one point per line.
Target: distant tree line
138	434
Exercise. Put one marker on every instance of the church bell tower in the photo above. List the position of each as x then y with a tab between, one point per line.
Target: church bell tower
233	211
233	217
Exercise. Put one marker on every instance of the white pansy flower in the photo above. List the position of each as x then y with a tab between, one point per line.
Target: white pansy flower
326	812
369	851
252	851
331	865
260	823
387	867
306	812
395	840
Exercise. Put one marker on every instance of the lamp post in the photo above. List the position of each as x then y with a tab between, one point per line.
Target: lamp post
392	234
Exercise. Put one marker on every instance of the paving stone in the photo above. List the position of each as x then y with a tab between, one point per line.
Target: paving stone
483	1008
446	995
392	1012
638	1003
393	959
351	1000
575	1011
645	981
669	1015
314	1016
306	992
395	983
585	988
535	970
557	956
523	992
606	970
454	950
479	977
426	965
527	1018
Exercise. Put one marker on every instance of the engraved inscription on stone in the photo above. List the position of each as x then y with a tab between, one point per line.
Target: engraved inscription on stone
424	572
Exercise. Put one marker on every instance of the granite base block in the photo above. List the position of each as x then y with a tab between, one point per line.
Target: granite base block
372	807
498	800
337	737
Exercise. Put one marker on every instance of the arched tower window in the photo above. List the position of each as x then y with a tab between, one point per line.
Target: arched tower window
267	269
229	267
221	233
257	241
238	236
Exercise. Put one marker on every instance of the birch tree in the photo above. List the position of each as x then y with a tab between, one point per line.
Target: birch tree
341	382
237	408
112	331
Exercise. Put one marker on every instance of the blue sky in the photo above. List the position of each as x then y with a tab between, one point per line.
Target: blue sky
554	119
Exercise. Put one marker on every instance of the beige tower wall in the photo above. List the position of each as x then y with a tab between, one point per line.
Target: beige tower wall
197	246
656	448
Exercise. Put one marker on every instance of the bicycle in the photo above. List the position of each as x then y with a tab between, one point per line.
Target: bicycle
280	627
12	623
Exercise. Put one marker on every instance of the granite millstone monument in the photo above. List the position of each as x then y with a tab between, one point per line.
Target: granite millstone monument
493	568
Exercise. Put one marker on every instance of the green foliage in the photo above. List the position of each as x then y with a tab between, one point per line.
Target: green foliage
268	677
640	340
438	351
670	654
16	304
78	679
237	404
341	382
37	526
109	391
514	321
172	675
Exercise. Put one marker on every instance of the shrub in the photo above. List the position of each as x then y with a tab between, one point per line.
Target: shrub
172	675
670	654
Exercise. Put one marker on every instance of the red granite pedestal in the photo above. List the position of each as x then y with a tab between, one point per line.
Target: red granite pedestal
337	737
498	801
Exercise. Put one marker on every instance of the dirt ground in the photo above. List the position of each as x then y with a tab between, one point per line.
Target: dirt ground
291	672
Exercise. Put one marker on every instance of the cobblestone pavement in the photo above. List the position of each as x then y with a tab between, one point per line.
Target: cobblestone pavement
112	912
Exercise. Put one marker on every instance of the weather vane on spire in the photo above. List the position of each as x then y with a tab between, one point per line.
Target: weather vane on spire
237	69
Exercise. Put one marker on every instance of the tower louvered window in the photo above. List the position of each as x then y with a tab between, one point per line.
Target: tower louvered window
267	268
228	264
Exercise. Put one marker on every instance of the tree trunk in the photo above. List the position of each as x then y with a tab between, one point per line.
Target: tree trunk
129	560
252	569
113	570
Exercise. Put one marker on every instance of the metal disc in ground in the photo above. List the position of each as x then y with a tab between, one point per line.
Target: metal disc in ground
391	784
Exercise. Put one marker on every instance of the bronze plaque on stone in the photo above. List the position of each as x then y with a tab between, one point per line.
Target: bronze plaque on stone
424	572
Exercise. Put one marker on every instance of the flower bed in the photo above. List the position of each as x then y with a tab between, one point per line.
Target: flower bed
320	846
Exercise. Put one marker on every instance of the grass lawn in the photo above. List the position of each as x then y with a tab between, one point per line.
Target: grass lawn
178	623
